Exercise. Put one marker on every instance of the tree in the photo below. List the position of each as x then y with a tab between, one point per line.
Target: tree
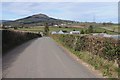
90	29
104	24
46	29
86	31
15	28
82	32
105	31
60	27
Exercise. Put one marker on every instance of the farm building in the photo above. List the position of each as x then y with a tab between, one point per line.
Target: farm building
60	32
65	32
53	32
75	32
55	25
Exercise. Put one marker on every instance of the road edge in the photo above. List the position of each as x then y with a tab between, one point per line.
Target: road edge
80	61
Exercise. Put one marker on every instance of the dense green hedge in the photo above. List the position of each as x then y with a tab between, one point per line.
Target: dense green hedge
11	38
106	48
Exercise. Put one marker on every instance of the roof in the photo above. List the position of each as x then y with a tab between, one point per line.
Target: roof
75	31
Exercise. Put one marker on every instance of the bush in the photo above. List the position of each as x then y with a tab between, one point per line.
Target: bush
106	48
90	29
82	31
99	48
11	39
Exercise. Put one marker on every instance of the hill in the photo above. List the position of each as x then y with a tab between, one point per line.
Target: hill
36	20
2	21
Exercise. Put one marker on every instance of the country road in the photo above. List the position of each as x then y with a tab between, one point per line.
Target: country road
43	58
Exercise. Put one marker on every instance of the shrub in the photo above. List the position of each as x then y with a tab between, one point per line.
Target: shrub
82	31
11	39
99	48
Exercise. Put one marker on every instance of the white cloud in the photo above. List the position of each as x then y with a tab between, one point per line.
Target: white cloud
17	8
63	10
59	0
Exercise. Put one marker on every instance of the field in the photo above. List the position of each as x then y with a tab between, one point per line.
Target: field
108	30
114	28
101	29
41	29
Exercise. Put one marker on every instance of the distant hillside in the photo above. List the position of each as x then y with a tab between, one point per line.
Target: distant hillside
35	20
1	21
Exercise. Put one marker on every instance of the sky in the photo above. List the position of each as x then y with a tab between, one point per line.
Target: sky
60	0
77	11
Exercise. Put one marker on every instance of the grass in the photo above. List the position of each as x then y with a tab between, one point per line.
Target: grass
112	28
106	67
33	29
51	29
41	29
100	29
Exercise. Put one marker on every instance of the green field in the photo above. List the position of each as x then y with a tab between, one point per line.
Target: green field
108	30
100	29
39	29
114	28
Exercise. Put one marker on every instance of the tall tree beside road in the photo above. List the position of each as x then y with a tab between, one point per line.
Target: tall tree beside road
46	29
90	29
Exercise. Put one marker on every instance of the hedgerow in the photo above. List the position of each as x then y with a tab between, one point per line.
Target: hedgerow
103	53
11	39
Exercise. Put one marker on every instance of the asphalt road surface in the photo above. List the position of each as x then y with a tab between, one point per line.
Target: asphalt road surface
43	58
